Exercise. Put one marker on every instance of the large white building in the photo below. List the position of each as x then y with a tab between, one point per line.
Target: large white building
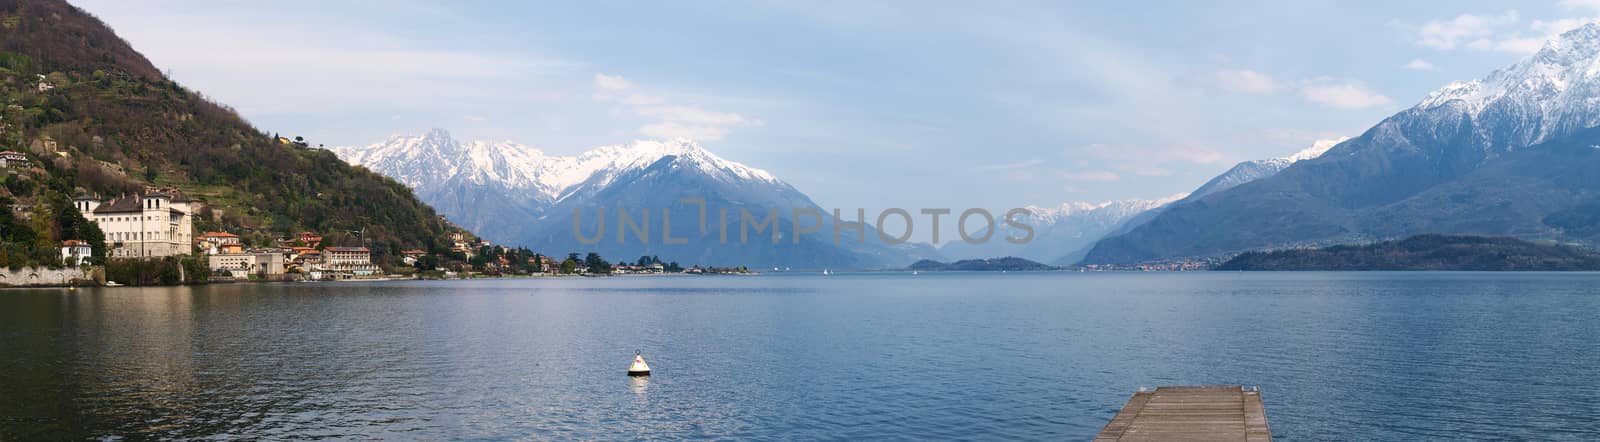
242	265
348	261
149	225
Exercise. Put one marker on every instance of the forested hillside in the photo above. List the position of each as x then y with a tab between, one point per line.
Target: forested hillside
96	117
1426	252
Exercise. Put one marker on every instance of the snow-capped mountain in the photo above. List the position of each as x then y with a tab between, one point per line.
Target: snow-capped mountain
514	194
1550	93
1058	231
1252	170
1063	233
435	157
1486	156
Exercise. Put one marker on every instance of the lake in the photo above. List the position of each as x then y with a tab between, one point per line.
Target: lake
1345	356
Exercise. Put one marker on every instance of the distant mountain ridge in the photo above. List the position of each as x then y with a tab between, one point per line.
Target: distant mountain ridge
1248	171
1063	234
512	193
1009	263
1425	252
1058	231
1454	163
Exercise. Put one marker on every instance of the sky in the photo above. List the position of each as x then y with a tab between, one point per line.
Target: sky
858	104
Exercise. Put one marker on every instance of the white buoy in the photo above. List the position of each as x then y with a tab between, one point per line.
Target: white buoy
639	368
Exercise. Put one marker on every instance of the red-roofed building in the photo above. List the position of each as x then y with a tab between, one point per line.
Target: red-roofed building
75	252
13	159
220	242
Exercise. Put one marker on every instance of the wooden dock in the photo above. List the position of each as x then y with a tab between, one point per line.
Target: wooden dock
1230	413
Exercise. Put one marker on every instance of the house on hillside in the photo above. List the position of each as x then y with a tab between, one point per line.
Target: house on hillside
153	224
14	160
348	262
220	242
310	239
75	252
264	263
411	256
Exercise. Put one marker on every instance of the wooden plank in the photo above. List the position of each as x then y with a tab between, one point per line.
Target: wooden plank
1220	413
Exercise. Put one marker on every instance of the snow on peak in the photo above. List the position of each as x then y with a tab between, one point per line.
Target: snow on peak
1252	170
436	157
1551	89
1117	209
1317	148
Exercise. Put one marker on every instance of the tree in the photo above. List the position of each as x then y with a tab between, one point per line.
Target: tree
427	262
569	266
596	264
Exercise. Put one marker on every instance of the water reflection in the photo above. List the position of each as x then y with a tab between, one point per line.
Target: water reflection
639	384
1048	356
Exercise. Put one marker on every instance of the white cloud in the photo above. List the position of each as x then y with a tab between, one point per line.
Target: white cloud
672	120
1558	26
686	114
1500	32
1091	176
1151	171
1347	95
1240	80
1025	164
473	117
1464	29
611	83
1520	45
1418	64
642	100
1580	4
1542	31
668	129
261	65
1247	81
1143	159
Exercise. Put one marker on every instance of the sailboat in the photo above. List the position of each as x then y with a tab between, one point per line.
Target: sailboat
825	272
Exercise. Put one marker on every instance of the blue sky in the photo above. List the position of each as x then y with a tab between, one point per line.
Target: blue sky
859	104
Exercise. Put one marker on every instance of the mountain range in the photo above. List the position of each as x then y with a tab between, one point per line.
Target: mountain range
517	194
1476	157
1508	154
1065	233
513	193
1060	232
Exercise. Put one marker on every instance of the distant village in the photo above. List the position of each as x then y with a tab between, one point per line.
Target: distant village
159	223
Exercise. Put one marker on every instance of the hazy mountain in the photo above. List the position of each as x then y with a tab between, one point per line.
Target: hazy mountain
1454	163
1058	231
1063	234
516	194
1257	169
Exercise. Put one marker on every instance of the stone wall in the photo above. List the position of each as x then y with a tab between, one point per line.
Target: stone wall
40	276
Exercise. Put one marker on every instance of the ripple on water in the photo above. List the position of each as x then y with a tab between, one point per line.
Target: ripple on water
1049	356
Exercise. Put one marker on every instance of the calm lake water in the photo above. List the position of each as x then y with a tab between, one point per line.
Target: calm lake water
1345	356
